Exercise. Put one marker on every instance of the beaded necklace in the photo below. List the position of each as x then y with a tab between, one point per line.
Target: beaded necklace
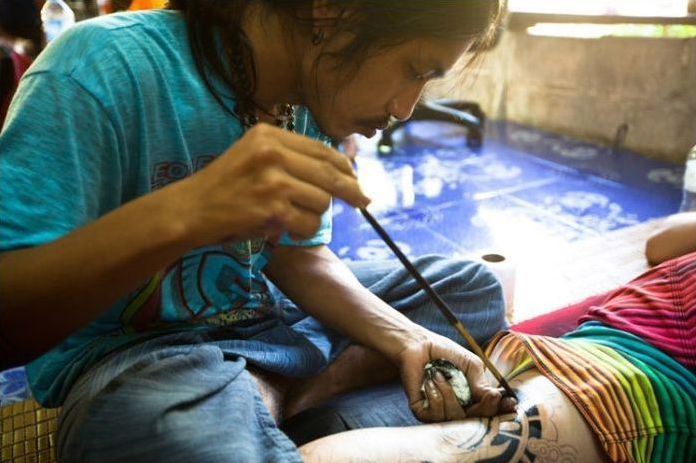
245	107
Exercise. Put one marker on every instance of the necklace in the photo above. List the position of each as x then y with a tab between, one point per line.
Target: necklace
245	106
285	117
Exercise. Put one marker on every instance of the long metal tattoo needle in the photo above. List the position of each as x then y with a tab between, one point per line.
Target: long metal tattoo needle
441	304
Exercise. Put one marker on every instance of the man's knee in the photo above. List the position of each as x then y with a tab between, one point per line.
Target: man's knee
460	275
463	281
471	290
391	280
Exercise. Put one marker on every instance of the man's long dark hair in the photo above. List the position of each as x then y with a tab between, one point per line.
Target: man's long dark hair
220	46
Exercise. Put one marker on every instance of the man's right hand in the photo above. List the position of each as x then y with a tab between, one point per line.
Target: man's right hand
270	181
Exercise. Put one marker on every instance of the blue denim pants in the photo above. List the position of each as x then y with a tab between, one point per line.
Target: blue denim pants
188	397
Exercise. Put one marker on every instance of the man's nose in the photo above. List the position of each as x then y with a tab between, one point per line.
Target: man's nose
401	106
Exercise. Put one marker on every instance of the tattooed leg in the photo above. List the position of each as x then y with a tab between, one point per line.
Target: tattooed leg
545	428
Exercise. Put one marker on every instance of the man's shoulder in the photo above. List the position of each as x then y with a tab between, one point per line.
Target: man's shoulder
121	59
124	41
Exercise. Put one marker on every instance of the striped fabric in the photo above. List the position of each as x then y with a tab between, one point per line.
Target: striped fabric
628	368
659	306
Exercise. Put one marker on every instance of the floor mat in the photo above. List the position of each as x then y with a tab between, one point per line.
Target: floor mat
523	187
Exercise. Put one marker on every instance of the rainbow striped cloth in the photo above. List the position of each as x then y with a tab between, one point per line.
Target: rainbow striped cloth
629	368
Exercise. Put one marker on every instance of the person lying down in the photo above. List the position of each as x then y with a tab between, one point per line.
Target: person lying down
621	387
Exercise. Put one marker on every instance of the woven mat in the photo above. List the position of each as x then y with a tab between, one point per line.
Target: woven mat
27	433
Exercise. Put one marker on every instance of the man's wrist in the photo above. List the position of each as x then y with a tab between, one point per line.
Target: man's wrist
395	341
181	226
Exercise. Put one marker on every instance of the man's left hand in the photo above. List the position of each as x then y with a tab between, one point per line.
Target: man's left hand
440	402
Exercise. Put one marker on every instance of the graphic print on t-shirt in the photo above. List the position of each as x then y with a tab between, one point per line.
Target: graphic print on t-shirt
216	285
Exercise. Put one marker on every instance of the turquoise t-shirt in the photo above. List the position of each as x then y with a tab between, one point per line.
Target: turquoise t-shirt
110	111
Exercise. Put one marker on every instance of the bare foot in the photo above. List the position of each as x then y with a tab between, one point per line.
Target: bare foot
273	389
356	367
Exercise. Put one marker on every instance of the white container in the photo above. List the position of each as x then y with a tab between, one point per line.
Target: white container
506	271
56	17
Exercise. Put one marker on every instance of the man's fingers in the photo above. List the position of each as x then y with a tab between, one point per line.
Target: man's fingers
317	150
308	196
453	411
508	405
488	405
412	380
324	175
488	401
435	411
300	223
473	370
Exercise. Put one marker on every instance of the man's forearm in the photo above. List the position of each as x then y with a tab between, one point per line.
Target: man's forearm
324	287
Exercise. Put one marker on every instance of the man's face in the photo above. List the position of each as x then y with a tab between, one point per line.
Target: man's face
387	84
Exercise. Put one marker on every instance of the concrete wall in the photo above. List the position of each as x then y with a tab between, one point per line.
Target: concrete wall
586	88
